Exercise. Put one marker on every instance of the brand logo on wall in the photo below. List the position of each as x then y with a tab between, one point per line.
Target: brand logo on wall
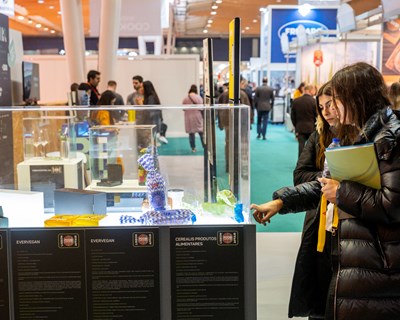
290	22
290	28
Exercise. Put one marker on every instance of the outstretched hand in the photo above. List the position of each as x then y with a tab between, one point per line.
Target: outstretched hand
264	212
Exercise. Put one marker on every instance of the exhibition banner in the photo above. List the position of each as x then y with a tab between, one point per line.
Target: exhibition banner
286	21
4	296
391	48
6	126
138	18
207	273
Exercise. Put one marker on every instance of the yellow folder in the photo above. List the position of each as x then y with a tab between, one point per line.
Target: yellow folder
356	163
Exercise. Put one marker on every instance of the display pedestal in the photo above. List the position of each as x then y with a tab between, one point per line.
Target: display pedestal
47	174
127	196
166	272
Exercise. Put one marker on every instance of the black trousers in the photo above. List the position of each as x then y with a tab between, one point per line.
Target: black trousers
192	140
302	138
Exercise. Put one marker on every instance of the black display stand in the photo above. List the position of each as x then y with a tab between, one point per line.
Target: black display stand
166	272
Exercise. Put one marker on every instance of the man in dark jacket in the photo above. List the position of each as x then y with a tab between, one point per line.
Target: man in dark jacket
303	115
263	102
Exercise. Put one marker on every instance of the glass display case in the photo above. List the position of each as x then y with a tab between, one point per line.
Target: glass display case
198	176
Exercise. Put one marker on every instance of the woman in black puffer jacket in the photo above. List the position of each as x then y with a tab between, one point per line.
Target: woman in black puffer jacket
365	252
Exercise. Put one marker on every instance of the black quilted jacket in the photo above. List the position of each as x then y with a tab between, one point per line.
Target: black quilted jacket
366	250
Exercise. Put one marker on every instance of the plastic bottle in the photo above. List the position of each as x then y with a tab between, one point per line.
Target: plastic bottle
334	144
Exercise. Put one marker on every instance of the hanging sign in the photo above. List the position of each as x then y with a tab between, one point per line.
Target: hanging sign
318	58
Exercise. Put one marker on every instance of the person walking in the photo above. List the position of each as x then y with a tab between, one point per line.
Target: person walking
193	117
303	114
263	102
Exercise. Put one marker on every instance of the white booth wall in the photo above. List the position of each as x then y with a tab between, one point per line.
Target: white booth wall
335	56
171	75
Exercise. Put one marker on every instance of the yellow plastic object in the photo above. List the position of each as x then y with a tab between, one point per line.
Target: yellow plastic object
131	115
60	221
84	220
88	220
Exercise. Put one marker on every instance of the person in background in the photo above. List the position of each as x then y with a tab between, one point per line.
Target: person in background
74	94
223	118
104	117
244	85
394	95
193	117
263	102
303	115
363	249
299	91
136	98
150	98
119	101
112	86
93	80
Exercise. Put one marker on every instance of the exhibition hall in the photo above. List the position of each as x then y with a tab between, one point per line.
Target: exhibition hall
199	159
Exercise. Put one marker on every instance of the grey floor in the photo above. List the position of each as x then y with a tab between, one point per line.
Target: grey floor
276	256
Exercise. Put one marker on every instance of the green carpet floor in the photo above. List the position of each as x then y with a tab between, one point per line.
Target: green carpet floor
272	163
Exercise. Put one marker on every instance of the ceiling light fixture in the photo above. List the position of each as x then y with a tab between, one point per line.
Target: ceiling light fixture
38	25
305	9
59	12
213	13
30	21
208	25
52	31
210	21
51	7
218	1
247	28
255	20
21	18
46	29
214	7
205	31
40	1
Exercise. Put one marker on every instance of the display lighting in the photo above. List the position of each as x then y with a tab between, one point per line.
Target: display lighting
305	9
214	7
213	13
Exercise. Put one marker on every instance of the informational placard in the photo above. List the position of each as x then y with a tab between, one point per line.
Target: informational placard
123	274
6	127
49	280
207	267
4	291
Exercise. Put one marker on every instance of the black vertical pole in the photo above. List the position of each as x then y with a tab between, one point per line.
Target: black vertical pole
210	171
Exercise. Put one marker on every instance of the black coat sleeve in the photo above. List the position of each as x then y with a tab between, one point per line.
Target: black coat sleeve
306	169
302	197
